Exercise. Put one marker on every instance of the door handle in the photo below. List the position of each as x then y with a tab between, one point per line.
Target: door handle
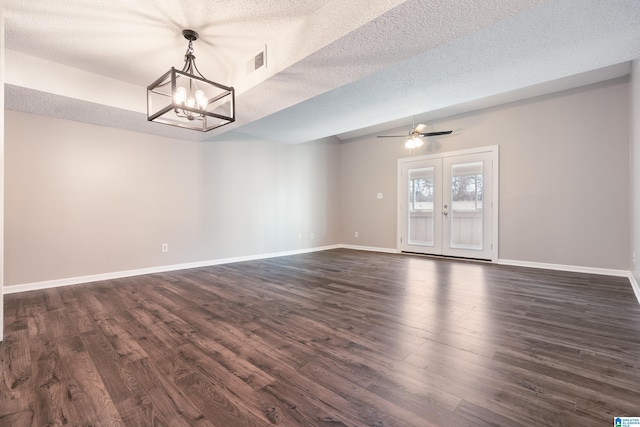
445	213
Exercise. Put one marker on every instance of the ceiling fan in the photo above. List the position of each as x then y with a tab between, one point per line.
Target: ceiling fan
414	140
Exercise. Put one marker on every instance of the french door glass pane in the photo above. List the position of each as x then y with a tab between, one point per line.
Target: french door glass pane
420	221
466	216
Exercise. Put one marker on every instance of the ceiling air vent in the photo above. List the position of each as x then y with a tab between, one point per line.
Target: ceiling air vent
259	60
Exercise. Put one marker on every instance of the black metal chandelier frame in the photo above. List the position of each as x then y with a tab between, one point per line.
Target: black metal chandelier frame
200	104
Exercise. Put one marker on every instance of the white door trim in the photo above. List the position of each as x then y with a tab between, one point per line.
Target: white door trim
495	152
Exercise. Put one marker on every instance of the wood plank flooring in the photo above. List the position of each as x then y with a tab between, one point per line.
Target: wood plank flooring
334	338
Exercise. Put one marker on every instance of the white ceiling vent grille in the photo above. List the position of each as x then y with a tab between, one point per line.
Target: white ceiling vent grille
258	61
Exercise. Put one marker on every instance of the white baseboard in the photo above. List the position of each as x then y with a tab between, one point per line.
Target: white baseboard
634	286
160	269
165	268
562	267
577	269
370	249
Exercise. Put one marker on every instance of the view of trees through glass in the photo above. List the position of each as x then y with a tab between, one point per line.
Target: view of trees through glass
421	194
466	193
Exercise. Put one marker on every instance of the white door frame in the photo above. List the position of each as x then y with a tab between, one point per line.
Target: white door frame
495	182
2	172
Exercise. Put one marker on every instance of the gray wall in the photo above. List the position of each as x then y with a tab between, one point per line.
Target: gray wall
564	177
635	161
84	199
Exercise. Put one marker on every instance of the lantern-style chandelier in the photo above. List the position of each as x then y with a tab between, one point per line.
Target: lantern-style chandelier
185	98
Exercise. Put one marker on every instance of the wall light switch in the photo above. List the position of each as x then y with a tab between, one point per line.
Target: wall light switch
379	195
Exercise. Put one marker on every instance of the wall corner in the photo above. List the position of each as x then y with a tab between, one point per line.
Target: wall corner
634	148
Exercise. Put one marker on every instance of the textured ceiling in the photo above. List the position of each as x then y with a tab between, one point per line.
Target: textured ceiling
128	40
333	67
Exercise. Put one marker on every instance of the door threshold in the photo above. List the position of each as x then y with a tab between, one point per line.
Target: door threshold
449	257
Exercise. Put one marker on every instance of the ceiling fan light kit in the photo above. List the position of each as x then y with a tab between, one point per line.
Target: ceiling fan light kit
185	98
416	133
413	142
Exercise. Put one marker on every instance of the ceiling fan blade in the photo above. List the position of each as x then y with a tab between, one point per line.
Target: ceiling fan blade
419	128
392	136
446	132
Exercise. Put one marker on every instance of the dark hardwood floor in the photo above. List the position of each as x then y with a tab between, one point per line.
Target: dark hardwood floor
335	338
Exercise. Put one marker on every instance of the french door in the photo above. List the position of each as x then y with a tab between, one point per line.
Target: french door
447	205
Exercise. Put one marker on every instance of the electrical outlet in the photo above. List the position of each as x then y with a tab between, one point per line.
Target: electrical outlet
165	247
299	235
633	257
355	234
312	235
379	195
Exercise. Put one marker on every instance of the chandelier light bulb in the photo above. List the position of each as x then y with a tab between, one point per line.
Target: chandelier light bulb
181	95
201	99
191	102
